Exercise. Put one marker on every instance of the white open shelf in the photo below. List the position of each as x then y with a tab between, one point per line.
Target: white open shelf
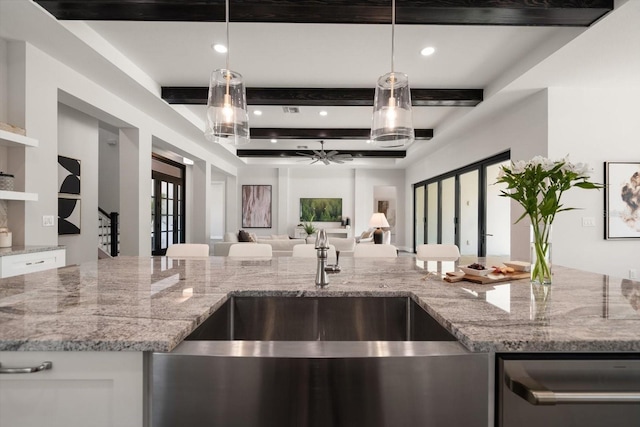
10	139
18	195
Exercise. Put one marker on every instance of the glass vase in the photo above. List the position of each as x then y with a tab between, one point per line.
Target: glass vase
540	303
541	253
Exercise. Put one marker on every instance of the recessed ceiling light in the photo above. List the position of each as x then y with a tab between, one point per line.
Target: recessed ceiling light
273	140
257	113
427	51
220	48
323	113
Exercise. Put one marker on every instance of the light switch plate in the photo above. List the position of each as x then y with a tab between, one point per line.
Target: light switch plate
48	221
588	221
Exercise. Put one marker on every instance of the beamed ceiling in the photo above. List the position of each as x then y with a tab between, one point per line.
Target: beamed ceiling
413	12
436	15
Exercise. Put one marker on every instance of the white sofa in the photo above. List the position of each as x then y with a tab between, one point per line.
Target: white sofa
345	245
279	246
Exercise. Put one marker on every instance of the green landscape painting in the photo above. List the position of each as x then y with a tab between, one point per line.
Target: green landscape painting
321	210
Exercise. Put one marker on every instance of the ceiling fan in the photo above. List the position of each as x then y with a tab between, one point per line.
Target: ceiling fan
326	158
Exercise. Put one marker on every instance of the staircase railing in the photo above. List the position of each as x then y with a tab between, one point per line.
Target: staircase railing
108	232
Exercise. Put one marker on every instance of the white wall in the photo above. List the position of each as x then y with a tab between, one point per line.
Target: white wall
521	128
355	187
259	176
593	126
367	180
78	139
108	172
316	182
388	193
38	83
217	210
287	190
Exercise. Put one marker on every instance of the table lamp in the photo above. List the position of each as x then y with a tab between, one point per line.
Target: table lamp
378	220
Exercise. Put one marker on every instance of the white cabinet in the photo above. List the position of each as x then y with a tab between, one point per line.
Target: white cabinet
299	232
13	265
12	141
98	389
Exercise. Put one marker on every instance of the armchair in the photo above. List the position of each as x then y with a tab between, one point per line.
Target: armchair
366	236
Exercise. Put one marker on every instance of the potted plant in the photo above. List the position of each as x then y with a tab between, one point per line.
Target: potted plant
308	226
537	185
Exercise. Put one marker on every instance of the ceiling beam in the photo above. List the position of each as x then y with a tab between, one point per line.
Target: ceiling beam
389	154
327	97
317	134
436	12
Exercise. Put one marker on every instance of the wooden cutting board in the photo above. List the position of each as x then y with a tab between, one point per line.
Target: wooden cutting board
488	279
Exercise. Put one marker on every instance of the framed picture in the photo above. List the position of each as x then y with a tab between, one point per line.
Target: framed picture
68	216
321	209
256	206
68	175
622	200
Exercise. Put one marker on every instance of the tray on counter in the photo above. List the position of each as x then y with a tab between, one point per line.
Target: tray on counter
489	278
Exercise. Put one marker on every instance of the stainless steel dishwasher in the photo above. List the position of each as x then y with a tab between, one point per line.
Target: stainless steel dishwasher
568	390
325	362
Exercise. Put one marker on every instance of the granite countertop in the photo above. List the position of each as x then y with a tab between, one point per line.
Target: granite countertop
151	304
19	250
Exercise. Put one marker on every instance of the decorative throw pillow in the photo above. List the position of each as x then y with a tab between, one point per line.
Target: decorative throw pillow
253	237
243	236
366	234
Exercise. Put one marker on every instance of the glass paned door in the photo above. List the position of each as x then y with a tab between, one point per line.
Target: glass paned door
432	213
498	215
167	220
419	215
448	211
469	208
463	207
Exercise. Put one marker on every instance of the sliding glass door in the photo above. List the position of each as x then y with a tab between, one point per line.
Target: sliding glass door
418	215
463	207
498	223
448	211
432	213
469	207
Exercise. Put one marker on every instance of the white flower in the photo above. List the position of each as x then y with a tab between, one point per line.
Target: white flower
548	164
537	160
518	167
582	169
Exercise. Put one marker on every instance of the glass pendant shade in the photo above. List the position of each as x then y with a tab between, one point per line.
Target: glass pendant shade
392	121
227	117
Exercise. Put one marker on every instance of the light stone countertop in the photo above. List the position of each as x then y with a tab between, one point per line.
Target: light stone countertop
19	250
151	304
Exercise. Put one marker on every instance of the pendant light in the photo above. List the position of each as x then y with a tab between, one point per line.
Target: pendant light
392	122
227	117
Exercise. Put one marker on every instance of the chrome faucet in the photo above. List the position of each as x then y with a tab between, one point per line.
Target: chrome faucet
322	247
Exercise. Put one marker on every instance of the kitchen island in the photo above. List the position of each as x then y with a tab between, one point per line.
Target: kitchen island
128	306
151	304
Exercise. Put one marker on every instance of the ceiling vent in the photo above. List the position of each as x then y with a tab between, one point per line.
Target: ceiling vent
291	110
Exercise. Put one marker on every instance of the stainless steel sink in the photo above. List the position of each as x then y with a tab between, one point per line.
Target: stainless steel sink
321	319
326	361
